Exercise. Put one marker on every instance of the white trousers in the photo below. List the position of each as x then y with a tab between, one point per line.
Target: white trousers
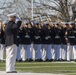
11	52
23	53
49	52
26	52
33	51
69	52
46	51
53	52
57	49
64	52
74	51
1	51
38	51
44	48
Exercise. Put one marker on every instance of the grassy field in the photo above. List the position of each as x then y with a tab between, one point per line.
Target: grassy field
45	67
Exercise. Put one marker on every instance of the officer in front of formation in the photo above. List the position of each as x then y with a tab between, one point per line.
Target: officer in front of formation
11	32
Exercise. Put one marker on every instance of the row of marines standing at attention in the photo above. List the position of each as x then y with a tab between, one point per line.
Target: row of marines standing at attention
44	42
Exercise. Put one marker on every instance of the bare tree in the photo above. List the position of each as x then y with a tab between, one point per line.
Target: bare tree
58	9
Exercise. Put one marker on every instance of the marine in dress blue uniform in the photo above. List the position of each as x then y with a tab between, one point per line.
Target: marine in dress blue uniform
26	42
37	41
46	42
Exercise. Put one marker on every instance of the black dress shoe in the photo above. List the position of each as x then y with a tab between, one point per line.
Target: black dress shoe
11	72
50	60
37	60
30	60
19	60
40	60
59	60
47	60
26	60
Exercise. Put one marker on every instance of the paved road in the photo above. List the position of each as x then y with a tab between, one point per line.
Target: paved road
4	73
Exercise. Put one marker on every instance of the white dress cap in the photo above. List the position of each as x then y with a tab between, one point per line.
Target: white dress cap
11	15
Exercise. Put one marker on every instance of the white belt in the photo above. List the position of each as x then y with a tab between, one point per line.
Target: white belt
37	37
18	36
71	36
74	31
57	37
27	36
47	37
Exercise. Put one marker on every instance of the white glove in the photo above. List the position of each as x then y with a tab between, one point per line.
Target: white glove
17	19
